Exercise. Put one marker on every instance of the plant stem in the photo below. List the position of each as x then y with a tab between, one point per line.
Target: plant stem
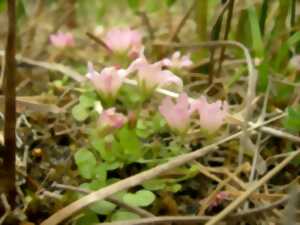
226	34
10	107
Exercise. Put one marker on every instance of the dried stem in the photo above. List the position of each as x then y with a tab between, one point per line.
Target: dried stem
233	205
215	34
9	159
226	34
182	22
99	41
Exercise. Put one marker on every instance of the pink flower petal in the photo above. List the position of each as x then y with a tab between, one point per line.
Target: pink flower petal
177	114
108	81
151	76
212	115
177	61
111	119
62	40
123	40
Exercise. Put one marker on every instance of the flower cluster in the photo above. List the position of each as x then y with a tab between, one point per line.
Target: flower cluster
150	76
178	115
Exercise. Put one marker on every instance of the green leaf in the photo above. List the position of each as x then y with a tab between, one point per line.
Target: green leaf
86	101
130	143
263	72
284	50
97	184
152	5
103	207
89	218
170	2
86	162
134	4
292	121
174	188
113	165
257	41
154	185
141	198
100	172
80	113
105	153
2	5
121	215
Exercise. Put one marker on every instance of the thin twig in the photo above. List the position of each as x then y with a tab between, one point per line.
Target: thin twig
99	41
137	179
212	196
50	66
147	23
226	34
233	205
215	34
6	207
182	22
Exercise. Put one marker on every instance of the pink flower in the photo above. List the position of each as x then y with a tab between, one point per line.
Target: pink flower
111	119
62	40
176	114
177	61
108	82
151	76
123	40
212	115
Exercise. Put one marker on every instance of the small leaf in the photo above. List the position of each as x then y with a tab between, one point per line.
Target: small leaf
152	5
113	165
141	198
89	218
292	121
103	207
2	5
174	188
80	113
170	2
123	215
105	153
130	143
154	185
100	172
257	41
86	101
86	162
134	4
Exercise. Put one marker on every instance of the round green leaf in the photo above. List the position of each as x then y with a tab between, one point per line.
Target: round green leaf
103	207
123	215
154	185
88	218
100	172
80	113
141	198
86	162
86	101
